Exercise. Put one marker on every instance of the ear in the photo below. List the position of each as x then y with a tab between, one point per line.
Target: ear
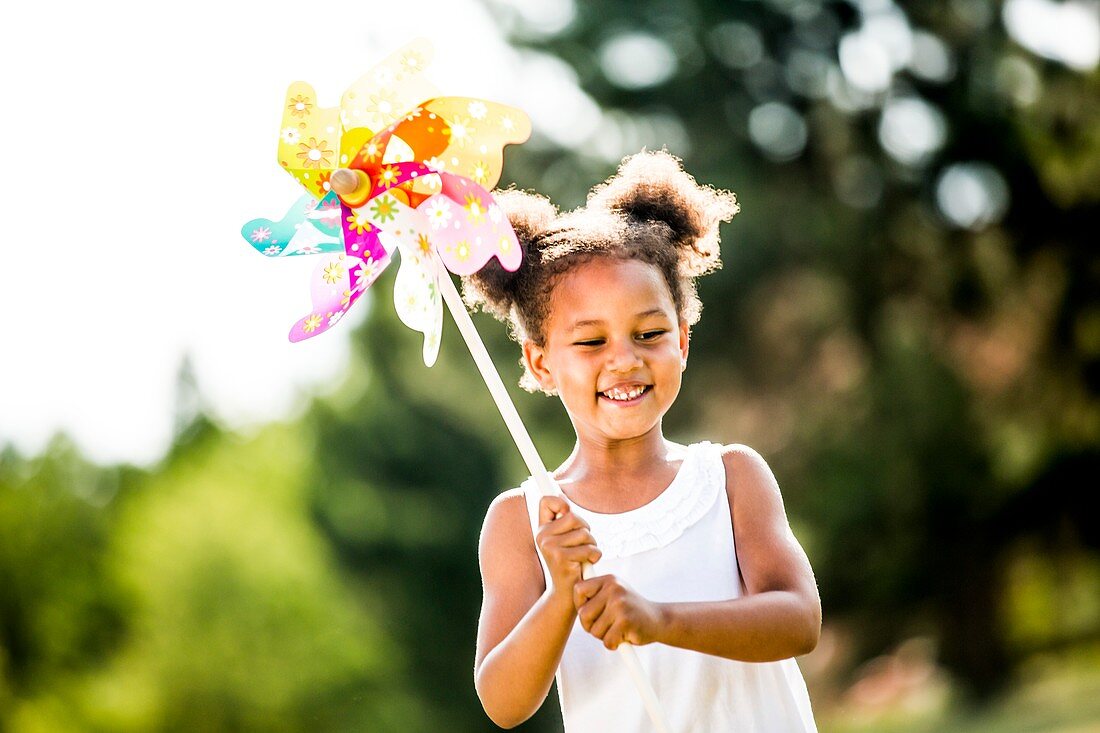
534	357
685	339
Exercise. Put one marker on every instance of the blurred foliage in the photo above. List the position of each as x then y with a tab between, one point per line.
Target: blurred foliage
200	597
924	385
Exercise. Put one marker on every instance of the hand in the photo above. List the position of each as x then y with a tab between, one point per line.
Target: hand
613	612
566	542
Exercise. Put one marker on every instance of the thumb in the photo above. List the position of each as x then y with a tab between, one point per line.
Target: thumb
551	507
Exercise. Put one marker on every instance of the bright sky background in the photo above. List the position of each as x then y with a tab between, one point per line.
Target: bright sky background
138	138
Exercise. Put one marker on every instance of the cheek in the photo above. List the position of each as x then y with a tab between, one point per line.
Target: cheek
672	368
572	370
672	354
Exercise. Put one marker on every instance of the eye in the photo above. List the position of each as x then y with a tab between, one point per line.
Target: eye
588	342
651	335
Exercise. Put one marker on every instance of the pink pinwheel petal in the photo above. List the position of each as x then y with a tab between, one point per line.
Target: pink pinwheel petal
360	234
337	282
468	228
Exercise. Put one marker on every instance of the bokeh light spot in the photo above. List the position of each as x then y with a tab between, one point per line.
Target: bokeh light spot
865	63
972	195
931	59
637	60
736	45
911	130
778	130
1068	32
544	17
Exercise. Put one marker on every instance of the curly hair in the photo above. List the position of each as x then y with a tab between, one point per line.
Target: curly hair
650	210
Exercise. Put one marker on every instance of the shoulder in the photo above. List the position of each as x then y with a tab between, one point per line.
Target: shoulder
748	475
507	514
508	499
506	531
741	460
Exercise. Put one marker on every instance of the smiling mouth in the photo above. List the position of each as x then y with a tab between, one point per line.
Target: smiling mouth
626	396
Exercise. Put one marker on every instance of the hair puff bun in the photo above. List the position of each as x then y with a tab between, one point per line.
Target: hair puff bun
653	187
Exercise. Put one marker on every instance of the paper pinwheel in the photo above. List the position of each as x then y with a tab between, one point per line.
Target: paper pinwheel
395	167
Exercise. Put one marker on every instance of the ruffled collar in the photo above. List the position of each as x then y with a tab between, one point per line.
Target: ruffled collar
661	521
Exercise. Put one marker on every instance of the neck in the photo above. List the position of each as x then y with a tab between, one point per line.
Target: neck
611	461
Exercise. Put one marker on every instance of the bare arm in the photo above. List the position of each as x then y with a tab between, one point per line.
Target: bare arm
523	625
779	616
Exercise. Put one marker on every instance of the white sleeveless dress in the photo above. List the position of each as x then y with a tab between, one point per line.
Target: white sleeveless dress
678	547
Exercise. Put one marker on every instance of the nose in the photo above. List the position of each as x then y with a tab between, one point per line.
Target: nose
623	356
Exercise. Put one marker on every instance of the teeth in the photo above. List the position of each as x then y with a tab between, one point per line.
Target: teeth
624	395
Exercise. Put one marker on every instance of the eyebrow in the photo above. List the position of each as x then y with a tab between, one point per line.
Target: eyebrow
598	322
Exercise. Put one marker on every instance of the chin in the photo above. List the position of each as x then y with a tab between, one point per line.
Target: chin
629	432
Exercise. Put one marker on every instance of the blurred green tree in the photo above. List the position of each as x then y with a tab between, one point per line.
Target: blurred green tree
200	597
59	608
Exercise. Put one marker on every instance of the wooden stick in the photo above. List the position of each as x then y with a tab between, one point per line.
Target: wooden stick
534	463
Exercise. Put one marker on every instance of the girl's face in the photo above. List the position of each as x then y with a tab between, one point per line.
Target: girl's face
615	348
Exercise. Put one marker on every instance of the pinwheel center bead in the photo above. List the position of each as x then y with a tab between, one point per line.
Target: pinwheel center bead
343	181
352	186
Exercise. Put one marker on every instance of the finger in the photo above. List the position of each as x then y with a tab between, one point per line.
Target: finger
598	603
586	553
590	613
570	560
603	621
559	544
574	538
550	507
586	615
613	637
580	554
585	590
555	534
565	523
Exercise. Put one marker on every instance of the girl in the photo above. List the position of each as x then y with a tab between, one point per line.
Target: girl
695	563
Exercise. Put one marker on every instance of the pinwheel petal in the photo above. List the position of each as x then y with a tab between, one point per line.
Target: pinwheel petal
337	282
309	138
388	91
417	301
468	228
476	133
309	227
